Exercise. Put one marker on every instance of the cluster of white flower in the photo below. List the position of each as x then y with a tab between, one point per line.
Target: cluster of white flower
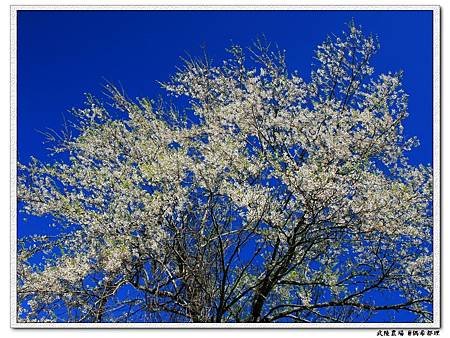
313	173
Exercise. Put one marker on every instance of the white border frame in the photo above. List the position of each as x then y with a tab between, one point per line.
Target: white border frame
436	169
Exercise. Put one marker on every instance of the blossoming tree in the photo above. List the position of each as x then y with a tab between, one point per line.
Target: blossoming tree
268	198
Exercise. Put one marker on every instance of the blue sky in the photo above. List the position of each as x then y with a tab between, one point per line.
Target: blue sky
62	54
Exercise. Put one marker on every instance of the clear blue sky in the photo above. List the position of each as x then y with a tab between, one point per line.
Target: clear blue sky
62	54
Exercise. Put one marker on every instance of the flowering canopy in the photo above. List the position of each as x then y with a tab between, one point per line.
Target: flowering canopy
268	198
